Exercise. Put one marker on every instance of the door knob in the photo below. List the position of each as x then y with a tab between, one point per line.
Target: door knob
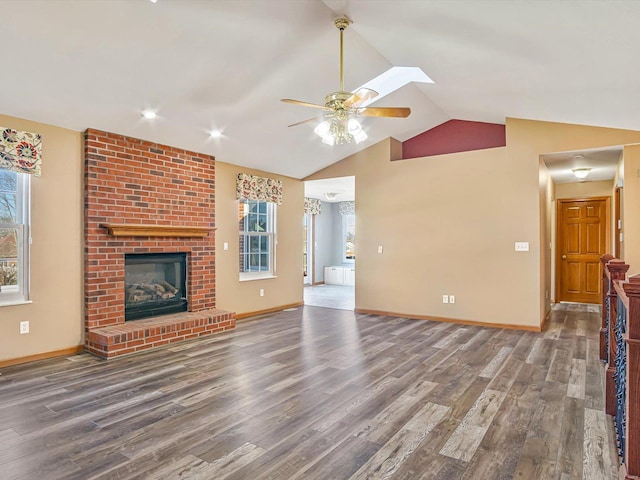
564	257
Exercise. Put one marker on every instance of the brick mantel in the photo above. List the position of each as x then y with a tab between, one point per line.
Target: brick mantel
152	199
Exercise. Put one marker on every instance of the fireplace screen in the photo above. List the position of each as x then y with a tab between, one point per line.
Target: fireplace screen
155	284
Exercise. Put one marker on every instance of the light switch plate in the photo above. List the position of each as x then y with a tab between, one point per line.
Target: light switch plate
379	248
225	246
522	246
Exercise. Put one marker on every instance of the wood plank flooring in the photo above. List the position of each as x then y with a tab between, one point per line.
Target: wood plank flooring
322	394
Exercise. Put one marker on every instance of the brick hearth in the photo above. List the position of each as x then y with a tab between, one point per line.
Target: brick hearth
131	337
135	182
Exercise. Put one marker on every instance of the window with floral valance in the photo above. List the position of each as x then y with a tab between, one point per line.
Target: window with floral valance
20	157
312	206
20	152
252	187
347	208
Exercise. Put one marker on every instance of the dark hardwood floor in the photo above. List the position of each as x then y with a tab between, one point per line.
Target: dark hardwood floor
321	394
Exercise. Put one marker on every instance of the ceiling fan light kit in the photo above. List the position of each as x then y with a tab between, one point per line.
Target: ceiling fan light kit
339	124
340	130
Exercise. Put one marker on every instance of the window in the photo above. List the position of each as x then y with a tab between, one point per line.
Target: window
349	237
257	239
14	236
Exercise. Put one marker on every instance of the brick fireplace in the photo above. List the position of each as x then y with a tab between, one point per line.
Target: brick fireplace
145	198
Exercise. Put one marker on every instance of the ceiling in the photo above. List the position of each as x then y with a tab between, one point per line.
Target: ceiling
343	187
602	162
226	64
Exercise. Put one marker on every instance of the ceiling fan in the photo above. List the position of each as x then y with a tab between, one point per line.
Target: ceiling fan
340	124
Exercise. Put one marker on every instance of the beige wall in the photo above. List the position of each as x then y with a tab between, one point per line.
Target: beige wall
631	203
447	228
547	192
56	311
527	139
618	181
448	225
584	189
286	289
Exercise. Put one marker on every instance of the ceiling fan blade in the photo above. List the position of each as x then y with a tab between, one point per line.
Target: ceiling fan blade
359	97
397	112
305	121
304	104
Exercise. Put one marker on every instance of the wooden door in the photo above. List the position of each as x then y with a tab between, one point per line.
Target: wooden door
583	237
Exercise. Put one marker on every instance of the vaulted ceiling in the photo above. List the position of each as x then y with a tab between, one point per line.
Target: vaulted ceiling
225	65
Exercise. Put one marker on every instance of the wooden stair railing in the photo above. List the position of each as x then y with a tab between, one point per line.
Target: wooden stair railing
620	347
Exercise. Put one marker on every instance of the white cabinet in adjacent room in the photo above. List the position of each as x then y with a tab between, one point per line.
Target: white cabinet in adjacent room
340	275
334	275
349	275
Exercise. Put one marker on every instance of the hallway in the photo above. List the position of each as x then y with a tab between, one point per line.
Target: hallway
341	297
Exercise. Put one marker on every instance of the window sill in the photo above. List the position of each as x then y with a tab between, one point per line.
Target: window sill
12	302
250	278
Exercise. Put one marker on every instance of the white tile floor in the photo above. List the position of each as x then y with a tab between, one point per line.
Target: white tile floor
331	296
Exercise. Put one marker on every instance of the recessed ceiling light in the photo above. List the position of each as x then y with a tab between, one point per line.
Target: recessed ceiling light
153	1
215	133
150	114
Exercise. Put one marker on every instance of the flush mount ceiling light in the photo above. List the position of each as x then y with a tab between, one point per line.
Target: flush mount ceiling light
149	114
339	124
330	195
581	173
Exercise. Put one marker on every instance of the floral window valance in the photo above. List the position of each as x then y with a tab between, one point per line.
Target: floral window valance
312	206
252	187
347	208
20	151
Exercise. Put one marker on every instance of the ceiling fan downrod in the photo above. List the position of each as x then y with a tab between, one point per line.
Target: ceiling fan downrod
341	24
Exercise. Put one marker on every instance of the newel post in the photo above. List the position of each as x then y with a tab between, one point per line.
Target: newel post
632	338
617	271
605	312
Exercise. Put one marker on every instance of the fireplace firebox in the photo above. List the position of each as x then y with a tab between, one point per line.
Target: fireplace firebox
155	284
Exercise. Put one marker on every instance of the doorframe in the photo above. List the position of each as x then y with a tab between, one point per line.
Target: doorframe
617	220
558	255
310	222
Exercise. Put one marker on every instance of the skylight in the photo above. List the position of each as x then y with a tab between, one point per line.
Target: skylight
392	80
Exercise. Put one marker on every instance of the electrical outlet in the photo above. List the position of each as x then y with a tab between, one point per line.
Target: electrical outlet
262	292
445	298
452	299
225	246
24	327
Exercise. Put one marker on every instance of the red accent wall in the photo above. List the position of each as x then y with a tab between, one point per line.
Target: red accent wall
134	181
455	136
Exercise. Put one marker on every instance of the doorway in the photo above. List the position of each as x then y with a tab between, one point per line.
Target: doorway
330	243
582	238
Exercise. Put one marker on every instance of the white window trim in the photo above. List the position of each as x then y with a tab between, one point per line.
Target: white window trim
271	273
344	241
19	294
